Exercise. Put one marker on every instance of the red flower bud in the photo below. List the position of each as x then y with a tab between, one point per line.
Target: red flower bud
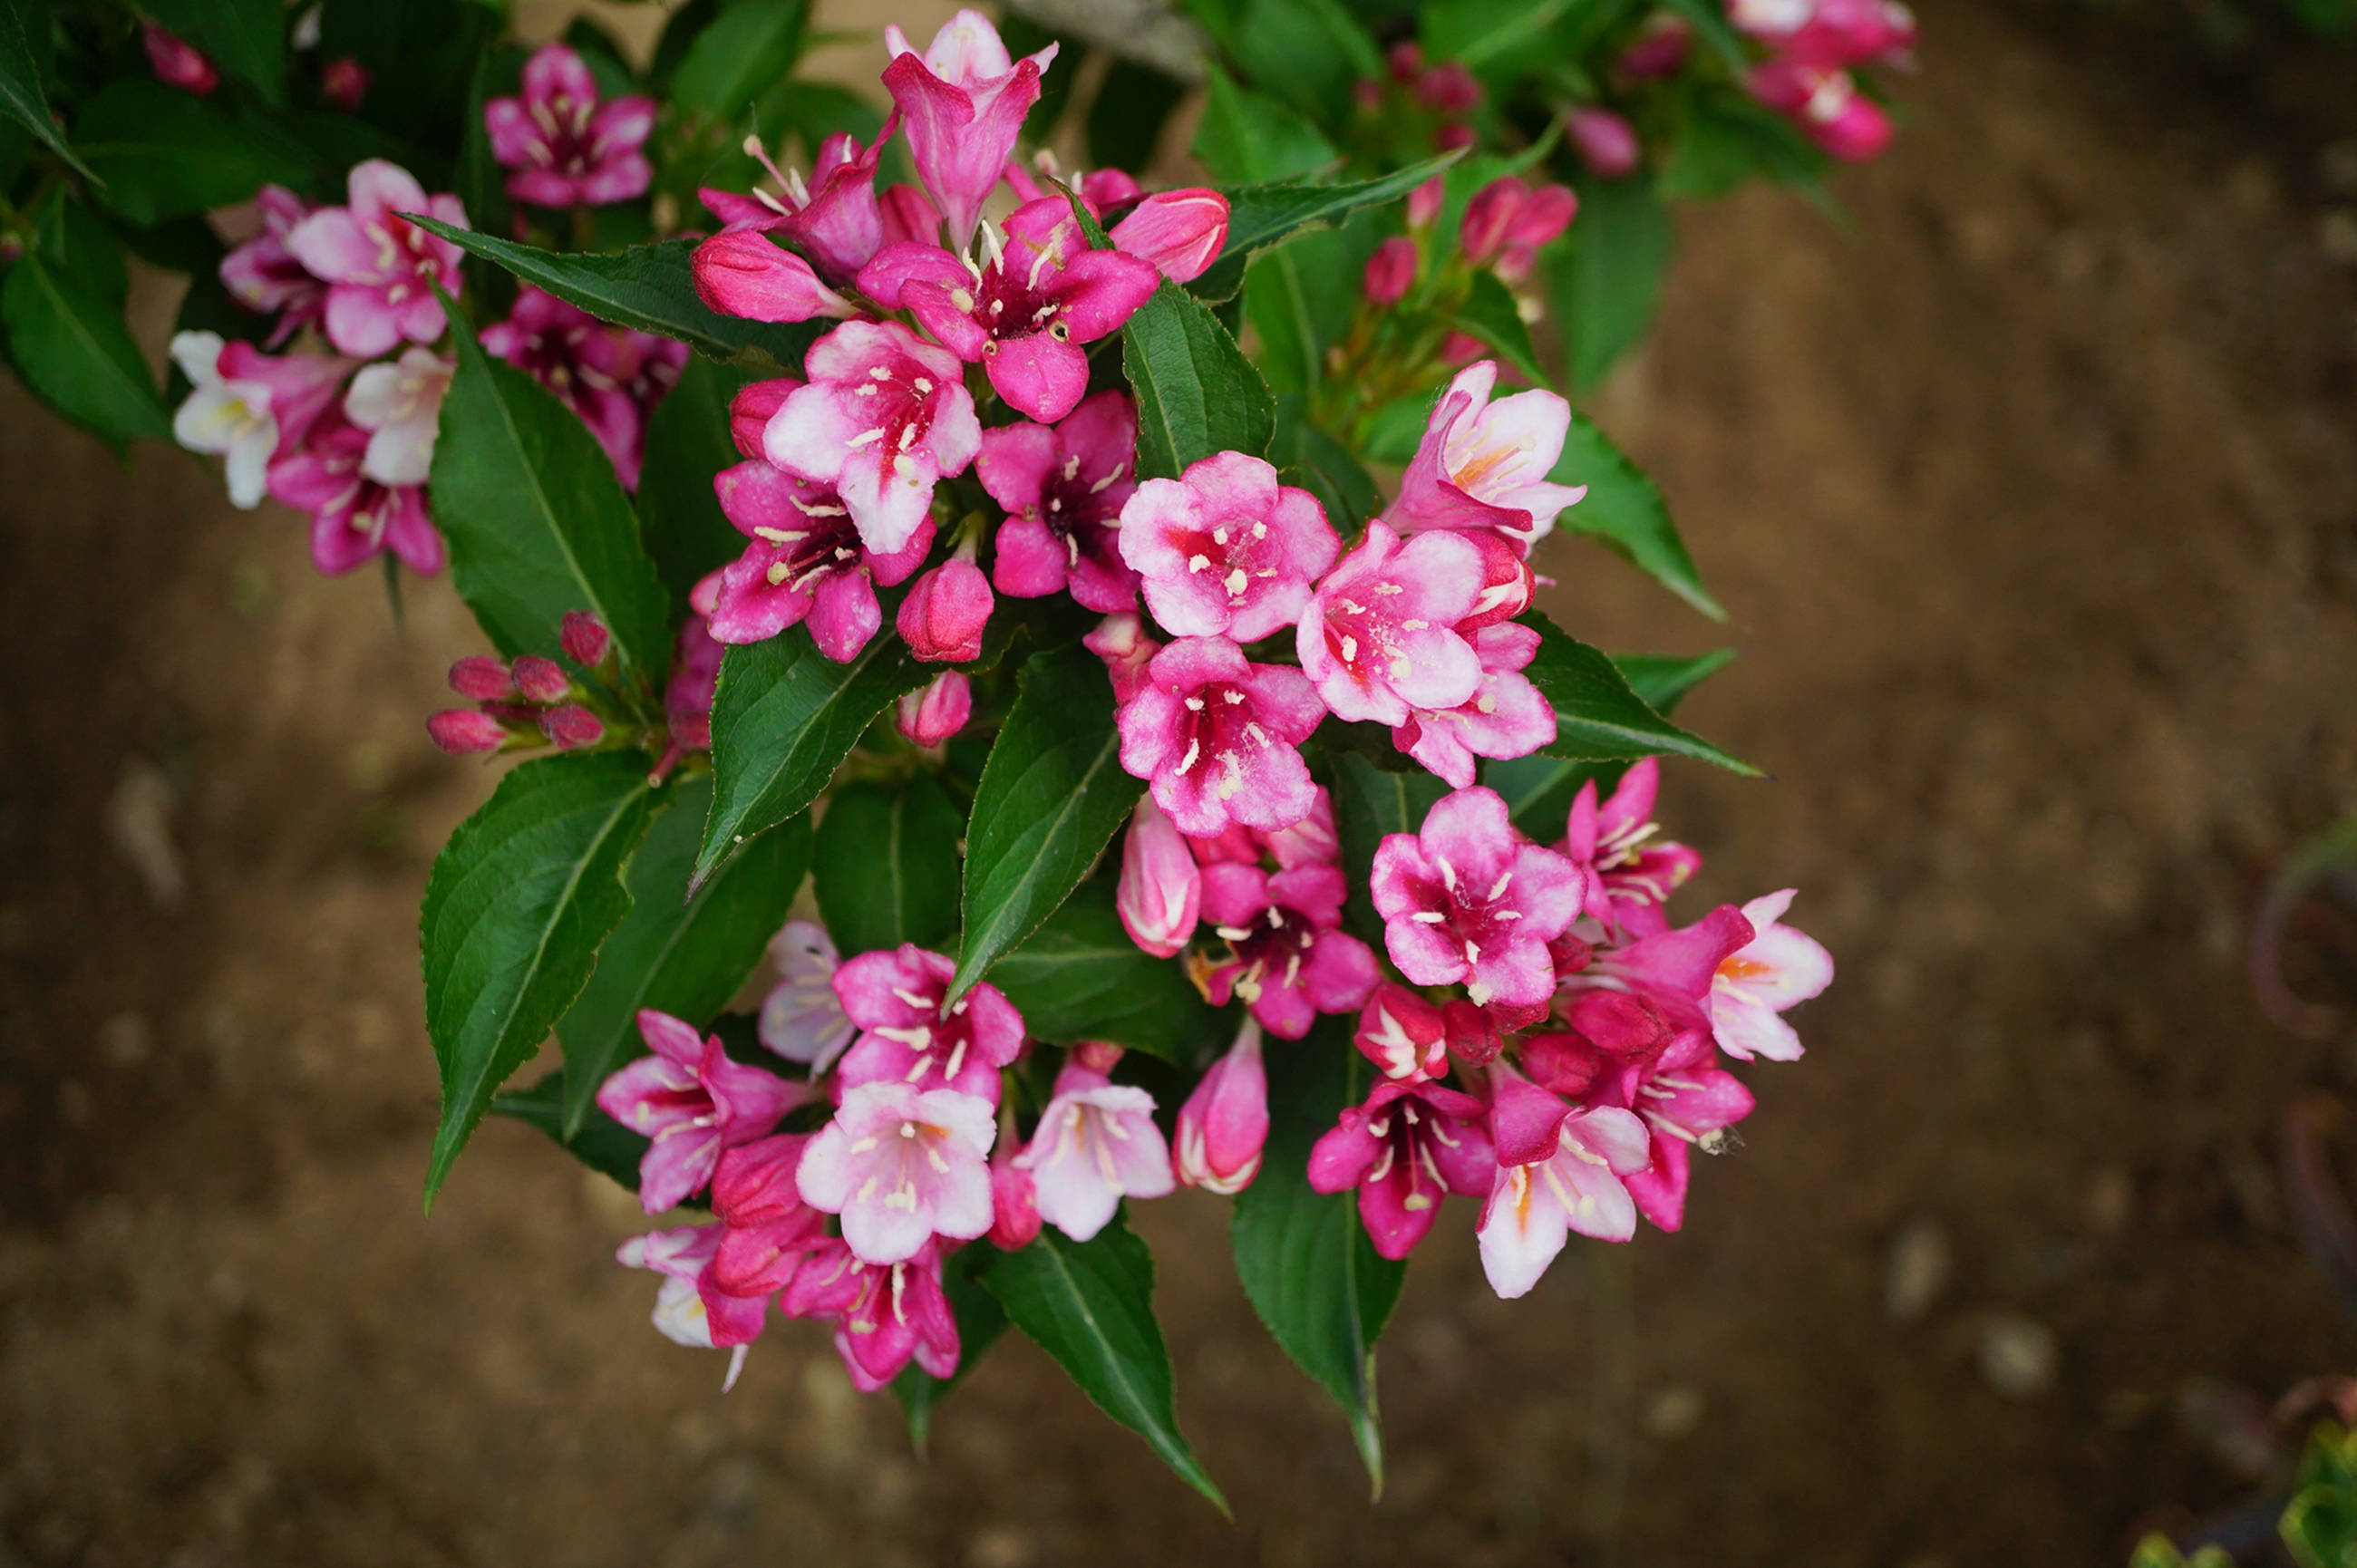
482	678
586	638
1606	143
463	731
943	616
1473	1038
1391	270
749	411
540	680
572	726
1490	217
930	716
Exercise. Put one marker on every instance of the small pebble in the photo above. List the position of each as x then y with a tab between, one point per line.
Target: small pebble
1672	1412
2017	1356
1920	1261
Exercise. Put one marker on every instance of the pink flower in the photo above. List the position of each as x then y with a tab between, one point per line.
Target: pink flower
1286	958
1404	1035
1181	232
689	1309
1466	899
572	727
563	145
1411	1144
1161	887
399	403
354	519
1485	465
806	561
1014	1201
884	1315
1390	270
801	1018
693	1102
584	638
766	1228
750	411
1063	489
1607	142
1425	202
694	682
908	217
177	62
1378	637
262	274
963	101
1224	550
835	218
1121	641
930	716
343	84
609	376
1634	872
1216	736
1224	1123
1312	841
1507	223
1505	716
244	405
1683	1107
1778	970
945	612
913	1034
464	732
379	268
1534	1207
1023	316
742	272
885	418
1825	104
901	1165
1672	970
1096	1142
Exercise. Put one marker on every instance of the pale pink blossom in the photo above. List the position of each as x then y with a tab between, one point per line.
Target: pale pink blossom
1505	716
177	63
901	1166
805	561
562	144
962	103
1096	1142
1379	638
399	403
1485	464
884	1315
1216	737
262	274
801	1018
1574	1184
243	405
1063	489
354	519
381	268
1286	955
930	715
1161	888
884	417
912	1033
1224	550
1410	1145
693	1102
1224	1124
689	1309
1778	970
1466	898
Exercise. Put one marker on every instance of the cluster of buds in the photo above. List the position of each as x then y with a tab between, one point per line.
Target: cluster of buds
528	699
1435	101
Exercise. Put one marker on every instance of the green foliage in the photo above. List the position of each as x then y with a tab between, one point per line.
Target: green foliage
1491	313
72	347
738	56
1308	457
1244	137
887	865
247	39
980	1321
1624	511
1598	717
162	152
1605	277
598	1141
1197	394
687	443
1307	53
1539	789
1368	802
1263	216
1125	120
22	94
1079	977
2319	1524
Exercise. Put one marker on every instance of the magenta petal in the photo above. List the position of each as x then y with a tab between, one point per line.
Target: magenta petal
1342	1157
1030	563
1099	290
844	615
1038	375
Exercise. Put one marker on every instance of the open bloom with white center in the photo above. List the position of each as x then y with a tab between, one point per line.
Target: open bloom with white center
1286	955
1576	1185
801	1018
911	1032
400	405
1096	1142
1485	465
834	218
1216	736
1411	1144
245	404
1063	488
1778	969
901	1165
1379	635
1466	898
689	1310
1224	550
806	563
693	1102
884	1315
963	100
379	268
884	417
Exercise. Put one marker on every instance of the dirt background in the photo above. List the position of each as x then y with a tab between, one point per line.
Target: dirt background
2034	489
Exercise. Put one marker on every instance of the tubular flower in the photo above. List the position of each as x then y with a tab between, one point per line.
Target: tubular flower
379	268
884	417
399	403
689	1308
1161	891
262	274
962	101
1570	1181
912	1034
884	1314
1063	488
1506	715
1634	872
1121	641
741	273
1215	737
1778	969
1411	1144
1684	1108
1096	1142
901	1165
1466	899
806	561
944	614
1404	1035
244	405
1379	635
766	1228
801	1019
1224	1124
1286	955
693	1102
1224	550
354	519
563	145
1485	465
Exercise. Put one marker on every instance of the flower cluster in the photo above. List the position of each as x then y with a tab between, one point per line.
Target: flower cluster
1814	46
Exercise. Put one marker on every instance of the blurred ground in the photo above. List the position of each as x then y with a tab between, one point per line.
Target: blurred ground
2035	494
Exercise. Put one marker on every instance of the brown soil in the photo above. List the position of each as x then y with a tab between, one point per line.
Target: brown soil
2035	492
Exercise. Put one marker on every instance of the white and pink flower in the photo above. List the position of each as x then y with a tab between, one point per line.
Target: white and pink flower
1224	550
902	1164
1096	1143
379	268
1484	463
1467	899
693	1103
1216	736
962	103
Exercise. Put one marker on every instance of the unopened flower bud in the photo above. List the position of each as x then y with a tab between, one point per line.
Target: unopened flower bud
1180	231
1014	1201
1569	955
177	61
1473	1036
1462	349
942	619
1224	1124
1425	202
1121	641
746	273
1406	61
586	638
1490	217
907	216
343	84
1402	1034
1161	891
749	411
482	678
1451	137
1606	143
1565	1064
572	727
540	680
1625	1024
1544	217
930	716
1094	1056
1658	49
1854	130
464	732
1448	89
1391	270
1506	579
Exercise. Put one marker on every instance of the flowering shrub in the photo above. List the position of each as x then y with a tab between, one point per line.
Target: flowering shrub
912	581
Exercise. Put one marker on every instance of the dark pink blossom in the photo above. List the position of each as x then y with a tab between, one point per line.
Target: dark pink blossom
930	716
1121	641
962	101
1634	872
884	1315
1485	465
1287	956
262	274
1160	895
912	1033
610	376
1606	143
572	727
1658	49
694	682
1410	1145
1223	1125
1063	489
1403	1034
1014	1201
1505	716
1216	736
1378	637
750	411
562	144
1825	104
765	1227
884	417
806	561
945	612
1390	270
465	732
693	1102
1673	970
584	639
354	519
177	63
834	218
1683	1107
1467	899
1224	550
381	268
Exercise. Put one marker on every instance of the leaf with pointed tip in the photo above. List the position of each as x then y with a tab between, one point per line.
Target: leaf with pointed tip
688	444
1051	795
1090	1304
1245	137
1623	511
676	954
1263	216
519	902
1079	977
1538	788
1598	717
1491	313
887	867
537	523
73	348
1197	394
21	92
980	1321
1305	1260
598	1141
162	151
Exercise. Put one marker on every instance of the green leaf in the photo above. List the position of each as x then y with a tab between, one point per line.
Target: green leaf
1624	511
1489	36
679	520
1709	19
1491	314
1368	802
1127	119
1308	457
1244	137
1079	977
598	1141
76	243
652	287
481	183
1197	394
1050	798
536	521
185	244
676	954
1726	138
1396	430
785	718
1263	216
1304	1258
520	899
749	47
1090	1304
73	348
247	39
980	1321
1307	54
888	865
1605	277
162	151
21	92
1539	789
1598	717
